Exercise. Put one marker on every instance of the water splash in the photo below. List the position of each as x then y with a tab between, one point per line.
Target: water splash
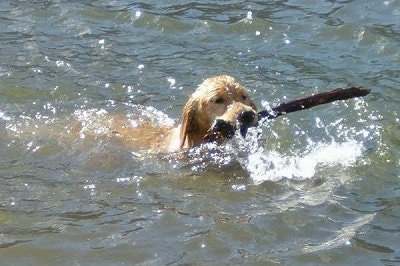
281	149
297	150
94	121
4	117
270	164
264	165
100	122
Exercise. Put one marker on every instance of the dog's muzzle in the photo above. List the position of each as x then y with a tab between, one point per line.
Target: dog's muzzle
246	119
222	129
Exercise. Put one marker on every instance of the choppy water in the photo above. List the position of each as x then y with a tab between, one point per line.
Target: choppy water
319	187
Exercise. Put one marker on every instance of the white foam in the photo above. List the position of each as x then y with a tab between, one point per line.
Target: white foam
4	117
93	121
265	165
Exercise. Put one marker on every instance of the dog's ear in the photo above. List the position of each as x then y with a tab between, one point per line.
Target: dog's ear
189	122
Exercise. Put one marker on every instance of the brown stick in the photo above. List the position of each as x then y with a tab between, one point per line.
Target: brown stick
314	100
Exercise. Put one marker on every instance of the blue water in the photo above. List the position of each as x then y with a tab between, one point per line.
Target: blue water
315	187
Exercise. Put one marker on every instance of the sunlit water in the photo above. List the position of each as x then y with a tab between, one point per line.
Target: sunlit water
319	186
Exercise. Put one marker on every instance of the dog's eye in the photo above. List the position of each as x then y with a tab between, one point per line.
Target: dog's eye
244	97
219	100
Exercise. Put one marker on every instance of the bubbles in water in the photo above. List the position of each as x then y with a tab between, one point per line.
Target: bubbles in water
136	13
12	203
49	107
286	39
156	116
61	63
91	188
248	18
318	122
171	82
249	15
102	43
4	117
93	121
273	166
239	187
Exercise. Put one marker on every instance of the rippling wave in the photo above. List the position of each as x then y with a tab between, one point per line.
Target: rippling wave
319	186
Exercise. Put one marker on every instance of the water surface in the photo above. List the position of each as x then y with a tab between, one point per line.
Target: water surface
318	187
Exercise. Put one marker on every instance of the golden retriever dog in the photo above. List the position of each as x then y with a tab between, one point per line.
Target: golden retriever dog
218	107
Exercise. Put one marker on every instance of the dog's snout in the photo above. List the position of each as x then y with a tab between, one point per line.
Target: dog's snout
247	117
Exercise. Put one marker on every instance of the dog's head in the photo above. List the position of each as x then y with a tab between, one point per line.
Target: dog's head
219	104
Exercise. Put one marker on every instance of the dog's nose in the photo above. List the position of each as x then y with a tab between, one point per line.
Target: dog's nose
246	118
